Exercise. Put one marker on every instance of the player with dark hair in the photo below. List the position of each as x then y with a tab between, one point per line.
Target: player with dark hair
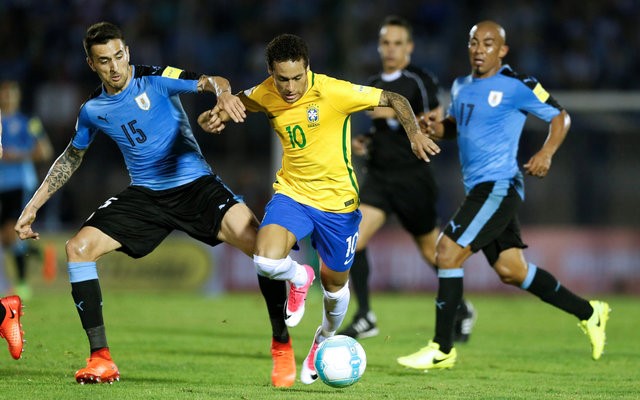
25	143
396	182
172	186
316	191
487	114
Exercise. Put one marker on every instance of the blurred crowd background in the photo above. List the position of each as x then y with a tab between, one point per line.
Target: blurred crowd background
579	47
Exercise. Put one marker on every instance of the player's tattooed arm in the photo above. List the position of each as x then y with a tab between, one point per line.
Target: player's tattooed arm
63	168
421	145
59	173
403	111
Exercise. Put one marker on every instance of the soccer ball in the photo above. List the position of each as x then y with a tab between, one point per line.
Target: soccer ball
340	361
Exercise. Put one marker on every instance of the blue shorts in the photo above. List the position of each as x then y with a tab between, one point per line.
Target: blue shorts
333	235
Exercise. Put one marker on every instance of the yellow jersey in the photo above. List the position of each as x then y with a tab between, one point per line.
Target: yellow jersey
315	133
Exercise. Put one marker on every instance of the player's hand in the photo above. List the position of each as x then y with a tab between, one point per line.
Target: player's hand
210	121
360	145
422	146
428	125
23	226
232	105
538	165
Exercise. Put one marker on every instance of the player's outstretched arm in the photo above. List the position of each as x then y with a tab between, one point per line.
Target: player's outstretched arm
226	100
421	145
59	173
213	121
540	163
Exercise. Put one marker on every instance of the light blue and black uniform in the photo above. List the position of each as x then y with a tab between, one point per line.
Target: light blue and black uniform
18	179
172	186
490	114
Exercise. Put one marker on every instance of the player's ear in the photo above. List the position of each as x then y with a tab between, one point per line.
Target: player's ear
90	62
504	49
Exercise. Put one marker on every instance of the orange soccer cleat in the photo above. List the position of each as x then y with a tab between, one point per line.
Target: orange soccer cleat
283	373
100	369
11	328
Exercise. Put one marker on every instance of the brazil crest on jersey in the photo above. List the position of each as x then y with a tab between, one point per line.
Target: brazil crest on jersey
149	125
315	133
490	114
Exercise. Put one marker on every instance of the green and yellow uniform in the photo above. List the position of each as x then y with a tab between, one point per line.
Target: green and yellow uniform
315	133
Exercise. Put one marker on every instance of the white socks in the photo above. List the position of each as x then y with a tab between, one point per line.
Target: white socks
335	309
285	269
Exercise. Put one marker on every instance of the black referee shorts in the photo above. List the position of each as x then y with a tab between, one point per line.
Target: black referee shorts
140	218
410	194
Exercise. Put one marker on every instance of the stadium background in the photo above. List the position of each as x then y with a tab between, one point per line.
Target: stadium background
581	221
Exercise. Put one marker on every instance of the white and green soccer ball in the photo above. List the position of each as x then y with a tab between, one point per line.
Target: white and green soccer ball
340	361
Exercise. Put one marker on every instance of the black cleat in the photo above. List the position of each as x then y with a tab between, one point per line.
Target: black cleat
362	326
465	319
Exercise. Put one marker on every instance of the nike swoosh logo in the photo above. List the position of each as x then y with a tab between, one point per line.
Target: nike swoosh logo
286	315
349	260
437	361
314	376
13	313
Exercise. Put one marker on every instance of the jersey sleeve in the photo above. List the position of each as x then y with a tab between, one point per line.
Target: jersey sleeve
533	98
85	131
171	80
348	97
251	98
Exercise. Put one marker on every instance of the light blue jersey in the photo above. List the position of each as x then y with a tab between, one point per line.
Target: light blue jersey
490	114
149	125
19	135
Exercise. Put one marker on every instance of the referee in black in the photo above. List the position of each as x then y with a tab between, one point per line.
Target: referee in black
396	181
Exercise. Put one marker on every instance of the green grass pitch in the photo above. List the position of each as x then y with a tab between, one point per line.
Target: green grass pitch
189	346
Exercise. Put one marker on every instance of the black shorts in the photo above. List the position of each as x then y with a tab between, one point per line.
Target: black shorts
11	203
409	193
487	219
140	218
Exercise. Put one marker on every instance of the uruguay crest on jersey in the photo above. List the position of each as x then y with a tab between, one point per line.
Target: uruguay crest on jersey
495	97
143	101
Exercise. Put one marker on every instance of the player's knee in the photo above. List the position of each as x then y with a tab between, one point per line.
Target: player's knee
429	255
273	269
77	248
508	273
445	259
